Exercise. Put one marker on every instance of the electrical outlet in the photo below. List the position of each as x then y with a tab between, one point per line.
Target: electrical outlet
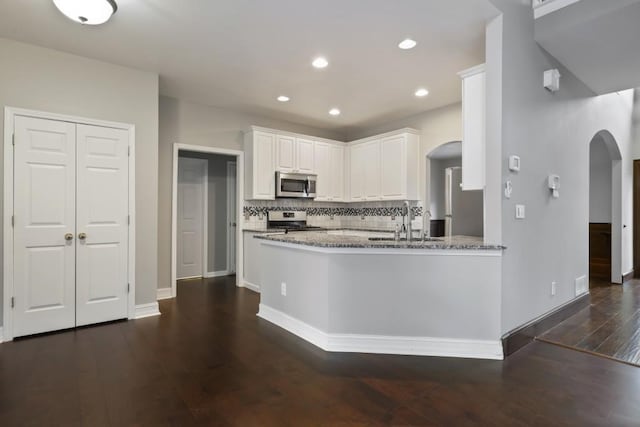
283	289
581	285
554	285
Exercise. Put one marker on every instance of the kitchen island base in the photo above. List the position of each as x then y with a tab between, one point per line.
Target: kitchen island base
414	302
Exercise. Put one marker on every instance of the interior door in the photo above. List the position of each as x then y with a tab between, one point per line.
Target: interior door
102	224
44	214
191	196
231	216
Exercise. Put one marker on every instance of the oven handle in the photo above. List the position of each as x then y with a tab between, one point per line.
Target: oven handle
308	186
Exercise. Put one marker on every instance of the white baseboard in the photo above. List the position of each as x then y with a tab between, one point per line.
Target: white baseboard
147	310
164	293
220	273
1	335
380	344
251	286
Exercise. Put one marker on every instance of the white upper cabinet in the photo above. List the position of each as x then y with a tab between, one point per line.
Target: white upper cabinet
304	155
337	167
329	166
260	165
286	153
323	170
384	167
294	154
364	171
400	165
473	127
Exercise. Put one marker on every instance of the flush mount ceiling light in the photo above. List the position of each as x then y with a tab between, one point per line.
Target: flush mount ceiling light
422	92
283	98
334	112
320	62
407	44
90	12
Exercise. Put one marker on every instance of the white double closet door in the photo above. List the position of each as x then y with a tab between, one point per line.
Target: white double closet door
70	225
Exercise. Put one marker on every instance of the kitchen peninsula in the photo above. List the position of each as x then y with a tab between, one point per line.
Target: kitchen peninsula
346	291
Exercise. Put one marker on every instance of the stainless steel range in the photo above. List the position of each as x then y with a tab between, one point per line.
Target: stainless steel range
289	221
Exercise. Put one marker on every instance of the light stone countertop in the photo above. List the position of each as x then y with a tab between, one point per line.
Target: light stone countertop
324	240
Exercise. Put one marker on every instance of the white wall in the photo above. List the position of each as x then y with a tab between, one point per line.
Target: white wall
43	79
599	182
551	133
188	123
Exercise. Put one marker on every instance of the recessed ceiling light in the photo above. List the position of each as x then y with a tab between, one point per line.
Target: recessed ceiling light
334	112
407	44
90	12
283	98
422	92
320	62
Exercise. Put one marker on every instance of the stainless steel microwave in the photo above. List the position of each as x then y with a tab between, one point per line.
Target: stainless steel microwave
295	185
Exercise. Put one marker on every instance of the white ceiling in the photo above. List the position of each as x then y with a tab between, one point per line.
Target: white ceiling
242	54
596	40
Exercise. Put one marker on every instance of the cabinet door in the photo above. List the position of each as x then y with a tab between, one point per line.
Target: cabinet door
304	155
286	153
473	133
263	165
323	169
372	170
394	168
357	172
336	166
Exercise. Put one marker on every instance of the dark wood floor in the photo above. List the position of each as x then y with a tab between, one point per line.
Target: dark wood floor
610	326
208	360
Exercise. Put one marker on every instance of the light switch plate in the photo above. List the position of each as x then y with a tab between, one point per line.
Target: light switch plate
520	211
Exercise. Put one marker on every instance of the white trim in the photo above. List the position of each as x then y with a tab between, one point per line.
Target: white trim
384	251
229	214
163	293
205	219
251	286
381	344
9	115
1	335
545	7
174	204
147	310
220	273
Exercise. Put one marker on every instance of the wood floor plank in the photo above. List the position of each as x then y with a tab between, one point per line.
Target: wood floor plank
210	361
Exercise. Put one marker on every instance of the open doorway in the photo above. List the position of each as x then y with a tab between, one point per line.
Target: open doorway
453	212
605	189
206	185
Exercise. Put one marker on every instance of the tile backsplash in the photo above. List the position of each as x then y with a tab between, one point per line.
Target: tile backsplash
371	215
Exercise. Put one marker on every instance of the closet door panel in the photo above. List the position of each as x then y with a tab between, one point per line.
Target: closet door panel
102	224
44	214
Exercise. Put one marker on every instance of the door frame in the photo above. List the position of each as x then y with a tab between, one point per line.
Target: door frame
205	218
239	155
229	215
7	259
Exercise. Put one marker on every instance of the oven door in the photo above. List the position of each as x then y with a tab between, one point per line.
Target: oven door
295	185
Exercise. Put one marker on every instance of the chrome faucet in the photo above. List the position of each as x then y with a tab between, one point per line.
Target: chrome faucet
406	214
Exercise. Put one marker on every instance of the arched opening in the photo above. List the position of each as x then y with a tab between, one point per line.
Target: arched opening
451	211
605	209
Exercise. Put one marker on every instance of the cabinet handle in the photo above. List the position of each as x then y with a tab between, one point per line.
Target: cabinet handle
68	237
82	236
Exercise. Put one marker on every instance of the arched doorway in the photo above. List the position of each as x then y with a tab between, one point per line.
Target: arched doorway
451	211
605	209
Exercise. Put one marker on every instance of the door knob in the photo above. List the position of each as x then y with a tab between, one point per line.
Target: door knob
82	236
68	236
